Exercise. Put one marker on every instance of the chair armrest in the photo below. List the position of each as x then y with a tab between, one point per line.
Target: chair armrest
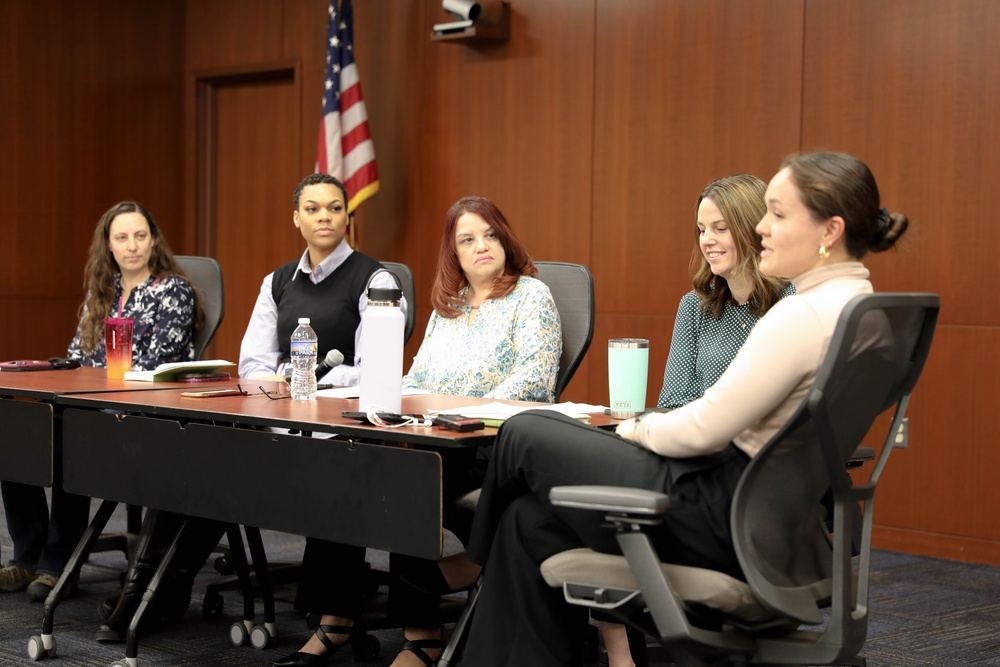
860	455
611	499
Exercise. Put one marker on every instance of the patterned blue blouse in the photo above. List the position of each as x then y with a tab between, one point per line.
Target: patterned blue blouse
702	347
511	350
163	313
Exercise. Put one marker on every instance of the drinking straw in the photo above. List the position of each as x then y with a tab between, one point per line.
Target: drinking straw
119	307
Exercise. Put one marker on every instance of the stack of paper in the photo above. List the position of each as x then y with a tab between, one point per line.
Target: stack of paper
494	414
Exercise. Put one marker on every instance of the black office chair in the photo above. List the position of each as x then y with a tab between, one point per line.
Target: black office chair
205	275
572	290
794	577
405	277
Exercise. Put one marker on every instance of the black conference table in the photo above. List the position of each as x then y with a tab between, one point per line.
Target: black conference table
143	443
30	443
230	458
216	458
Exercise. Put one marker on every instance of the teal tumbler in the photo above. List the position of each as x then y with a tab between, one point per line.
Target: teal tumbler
628	365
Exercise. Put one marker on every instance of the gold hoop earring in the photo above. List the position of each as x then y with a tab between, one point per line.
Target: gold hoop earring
823	252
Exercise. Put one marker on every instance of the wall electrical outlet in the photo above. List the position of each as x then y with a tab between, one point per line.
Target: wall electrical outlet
903	434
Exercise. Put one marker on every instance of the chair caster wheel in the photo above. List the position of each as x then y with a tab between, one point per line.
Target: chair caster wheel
368	649
212	605
37	650
260	637
119	663
223	566
238	633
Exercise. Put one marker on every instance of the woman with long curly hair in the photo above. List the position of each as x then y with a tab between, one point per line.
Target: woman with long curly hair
130	270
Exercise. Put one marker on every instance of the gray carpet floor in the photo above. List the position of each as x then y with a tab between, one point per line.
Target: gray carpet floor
925	612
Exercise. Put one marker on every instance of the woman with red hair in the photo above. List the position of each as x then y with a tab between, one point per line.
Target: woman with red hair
494	333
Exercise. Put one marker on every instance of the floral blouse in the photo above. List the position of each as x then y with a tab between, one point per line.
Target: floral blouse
163	314
510	350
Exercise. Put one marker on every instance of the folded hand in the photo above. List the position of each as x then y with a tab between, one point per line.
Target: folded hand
626	429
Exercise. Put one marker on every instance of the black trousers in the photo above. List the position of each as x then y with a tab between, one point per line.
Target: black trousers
333	574
334	582
519	619
44	541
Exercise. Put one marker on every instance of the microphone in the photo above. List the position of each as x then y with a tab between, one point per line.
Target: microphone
332	358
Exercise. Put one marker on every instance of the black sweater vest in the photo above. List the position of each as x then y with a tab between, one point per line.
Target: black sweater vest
331	305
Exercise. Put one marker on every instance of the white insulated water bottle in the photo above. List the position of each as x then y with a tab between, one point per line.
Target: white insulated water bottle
382	351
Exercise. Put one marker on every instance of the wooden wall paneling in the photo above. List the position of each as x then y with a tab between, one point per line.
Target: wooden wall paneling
220	36
228	33
913	89
391	47
53	324
944	483
685	92
304	40
90	91
513	121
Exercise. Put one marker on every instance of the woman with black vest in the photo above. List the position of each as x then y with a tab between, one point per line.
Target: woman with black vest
326	284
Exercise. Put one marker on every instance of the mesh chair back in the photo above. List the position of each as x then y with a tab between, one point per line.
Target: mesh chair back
406	282
205	274
876	354
572	290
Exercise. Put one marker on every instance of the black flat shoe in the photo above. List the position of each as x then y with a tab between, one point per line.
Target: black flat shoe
109	635
114	631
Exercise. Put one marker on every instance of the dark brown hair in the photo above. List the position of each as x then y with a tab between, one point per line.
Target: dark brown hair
101	269
740	200
450	280
832	184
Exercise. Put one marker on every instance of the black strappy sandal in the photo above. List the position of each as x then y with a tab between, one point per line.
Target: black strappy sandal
417	646
363	646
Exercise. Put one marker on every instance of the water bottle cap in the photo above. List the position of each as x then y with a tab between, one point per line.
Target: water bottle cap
303	320
384	294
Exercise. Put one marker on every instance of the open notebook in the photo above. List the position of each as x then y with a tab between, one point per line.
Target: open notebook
169	372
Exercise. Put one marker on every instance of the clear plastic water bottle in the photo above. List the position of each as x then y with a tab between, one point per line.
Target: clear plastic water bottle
304	345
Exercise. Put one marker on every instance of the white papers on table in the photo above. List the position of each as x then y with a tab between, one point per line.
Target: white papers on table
501	411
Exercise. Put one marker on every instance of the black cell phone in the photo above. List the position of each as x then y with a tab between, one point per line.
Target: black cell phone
459	423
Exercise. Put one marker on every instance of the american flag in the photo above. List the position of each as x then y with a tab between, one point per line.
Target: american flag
345	143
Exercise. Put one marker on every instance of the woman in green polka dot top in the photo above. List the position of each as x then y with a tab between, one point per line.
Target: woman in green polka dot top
730	294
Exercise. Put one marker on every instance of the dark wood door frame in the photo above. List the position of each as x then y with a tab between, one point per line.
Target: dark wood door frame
207	85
